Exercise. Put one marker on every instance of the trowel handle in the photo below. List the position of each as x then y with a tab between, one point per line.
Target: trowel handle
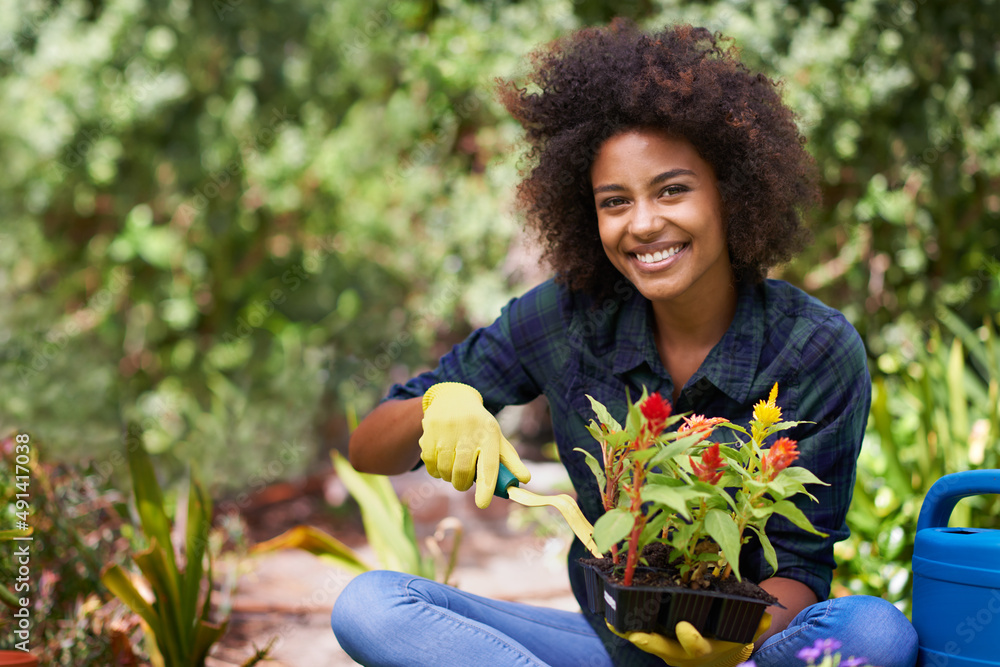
948	490
505	480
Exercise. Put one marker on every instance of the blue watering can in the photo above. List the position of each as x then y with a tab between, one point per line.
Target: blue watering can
956	578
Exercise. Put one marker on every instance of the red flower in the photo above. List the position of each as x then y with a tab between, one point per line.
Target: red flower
711	466
781	455
656	410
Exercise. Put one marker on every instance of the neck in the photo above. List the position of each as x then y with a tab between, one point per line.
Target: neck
692	324
685	335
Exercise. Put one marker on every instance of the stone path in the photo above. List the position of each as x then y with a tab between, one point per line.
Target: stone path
507	552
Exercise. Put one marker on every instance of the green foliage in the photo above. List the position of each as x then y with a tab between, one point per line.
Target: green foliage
654	491
235	222
935	412
388	528
177	620
230	221
76	527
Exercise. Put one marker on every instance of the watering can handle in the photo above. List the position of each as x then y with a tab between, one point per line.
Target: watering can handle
948	490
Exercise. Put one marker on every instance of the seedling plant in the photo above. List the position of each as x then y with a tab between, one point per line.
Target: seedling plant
663	481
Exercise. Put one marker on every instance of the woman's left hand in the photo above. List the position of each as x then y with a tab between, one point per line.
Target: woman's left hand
690	649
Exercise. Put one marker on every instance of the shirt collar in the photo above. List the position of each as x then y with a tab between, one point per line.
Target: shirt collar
730	366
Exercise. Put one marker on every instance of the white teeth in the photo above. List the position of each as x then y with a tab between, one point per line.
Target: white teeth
659	256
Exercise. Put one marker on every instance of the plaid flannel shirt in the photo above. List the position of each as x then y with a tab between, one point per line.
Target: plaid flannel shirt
562	344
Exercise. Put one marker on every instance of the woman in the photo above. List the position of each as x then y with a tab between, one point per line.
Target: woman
667	178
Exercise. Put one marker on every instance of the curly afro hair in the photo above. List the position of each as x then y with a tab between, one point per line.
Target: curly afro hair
598	82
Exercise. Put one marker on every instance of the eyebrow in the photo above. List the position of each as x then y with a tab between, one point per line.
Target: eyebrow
665	176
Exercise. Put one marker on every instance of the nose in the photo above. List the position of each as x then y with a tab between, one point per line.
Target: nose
647	220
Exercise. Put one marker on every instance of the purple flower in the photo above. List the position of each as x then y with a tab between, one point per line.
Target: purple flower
827	645
809	653
854	662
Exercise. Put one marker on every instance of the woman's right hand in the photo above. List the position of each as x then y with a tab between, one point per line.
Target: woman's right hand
462	442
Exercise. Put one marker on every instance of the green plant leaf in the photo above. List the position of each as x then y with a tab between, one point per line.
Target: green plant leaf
665	495
205	636
736	427
118	582
721	527
788	510
676	448
603	416
765	543
318	543
149	499
199	514
383	517
161	574
9	535
595	466
613	527
801	475
652	529
958	414
782	426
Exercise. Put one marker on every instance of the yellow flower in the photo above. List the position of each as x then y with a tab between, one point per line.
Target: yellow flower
766	412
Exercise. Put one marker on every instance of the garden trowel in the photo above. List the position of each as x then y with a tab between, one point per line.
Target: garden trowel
508	487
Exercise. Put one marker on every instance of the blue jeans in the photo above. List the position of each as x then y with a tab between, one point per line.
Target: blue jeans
390	618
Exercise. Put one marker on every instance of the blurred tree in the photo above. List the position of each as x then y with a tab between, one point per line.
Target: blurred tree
233	222
230	221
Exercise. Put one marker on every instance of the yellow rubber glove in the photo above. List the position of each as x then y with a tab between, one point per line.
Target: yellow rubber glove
690	649
462	442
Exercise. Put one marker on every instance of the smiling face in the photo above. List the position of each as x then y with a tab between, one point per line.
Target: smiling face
659	213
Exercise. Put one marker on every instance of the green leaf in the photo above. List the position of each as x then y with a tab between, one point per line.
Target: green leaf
118	582
958	414
595	466
643	455
163	577
735	427
653	528
9	535
715	492
782	426
149	499
665	495
383	517
595	430
660	479
676	448
800	475
788	510
769	555
722	528
198	525
613	527
206	635
318	543
603	415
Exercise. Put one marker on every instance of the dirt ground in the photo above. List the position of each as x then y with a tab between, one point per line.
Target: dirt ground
507	552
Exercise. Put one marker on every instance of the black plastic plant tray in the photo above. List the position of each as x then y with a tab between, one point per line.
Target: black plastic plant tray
659	609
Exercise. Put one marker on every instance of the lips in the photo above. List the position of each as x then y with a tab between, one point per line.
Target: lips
650	257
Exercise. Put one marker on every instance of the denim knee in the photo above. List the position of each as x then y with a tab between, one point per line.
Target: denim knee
882	633
360	609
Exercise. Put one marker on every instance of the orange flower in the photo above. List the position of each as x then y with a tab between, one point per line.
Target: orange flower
656	410
700	424
711	466
781	455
